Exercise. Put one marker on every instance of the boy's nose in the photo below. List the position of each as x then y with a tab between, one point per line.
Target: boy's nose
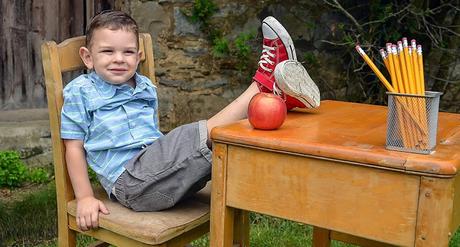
118	56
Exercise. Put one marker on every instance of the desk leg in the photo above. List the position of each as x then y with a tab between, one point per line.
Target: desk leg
241	228
321	237
435	210
221	232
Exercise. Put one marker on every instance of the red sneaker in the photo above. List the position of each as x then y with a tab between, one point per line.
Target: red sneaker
277	47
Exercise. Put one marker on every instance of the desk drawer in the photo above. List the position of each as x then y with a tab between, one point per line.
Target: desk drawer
362	201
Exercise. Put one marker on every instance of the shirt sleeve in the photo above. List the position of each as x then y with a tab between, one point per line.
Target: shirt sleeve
74	117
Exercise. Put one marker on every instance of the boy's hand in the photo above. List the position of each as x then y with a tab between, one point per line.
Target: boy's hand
88	212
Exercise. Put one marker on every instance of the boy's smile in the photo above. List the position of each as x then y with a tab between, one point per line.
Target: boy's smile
113	54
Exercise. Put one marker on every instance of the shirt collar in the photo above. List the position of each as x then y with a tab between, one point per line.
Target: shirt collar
141	84
108	90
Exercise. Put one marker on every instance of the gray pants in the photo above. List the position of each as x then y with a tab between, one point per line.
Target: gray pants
173	168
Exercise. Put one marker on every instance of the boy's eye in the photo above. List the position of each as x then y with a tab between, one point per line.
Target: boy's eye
106	51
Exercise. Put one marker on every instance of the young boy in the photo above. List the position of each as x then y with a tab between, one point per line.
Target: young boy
109	120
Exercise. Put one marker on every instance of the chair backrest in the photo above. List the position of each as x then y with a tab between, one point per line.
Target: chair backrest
64	57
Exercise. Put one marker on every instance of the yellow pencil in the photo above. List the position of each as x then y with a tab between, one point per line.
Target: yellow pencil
388	65
409	121
391	68
420	101
394	79
413	81
422	85
421	134
384	59
408	60
397	69
420	68
375	69
402	63
415	66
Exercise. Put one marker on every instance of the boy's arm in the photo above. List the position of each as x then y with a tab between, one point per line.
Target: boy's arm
88	206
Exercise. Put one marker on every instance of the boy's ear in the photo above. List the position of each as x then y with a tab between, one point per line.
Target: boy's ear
85	56
139	55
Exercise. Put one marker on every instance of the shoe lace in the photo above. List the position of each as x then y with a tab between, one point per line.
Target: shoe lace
267	57
278	91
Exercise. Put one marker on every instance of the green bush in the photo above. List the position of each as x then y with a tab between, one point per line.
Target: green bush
203	10
38	175
243	50
13	172
220	47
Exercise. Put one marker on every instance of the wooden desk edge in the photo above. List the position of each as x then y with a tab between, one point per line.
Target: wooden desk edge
427	174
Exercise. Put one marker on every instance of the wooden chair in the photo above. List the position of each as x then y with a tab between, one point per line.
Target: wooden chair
122	227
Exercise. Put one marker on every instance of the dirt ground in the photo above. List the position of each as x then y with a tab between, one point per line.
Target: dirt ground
16	194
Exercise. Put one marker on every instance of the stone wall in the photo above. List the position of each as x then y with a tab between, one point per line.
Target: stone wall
27	131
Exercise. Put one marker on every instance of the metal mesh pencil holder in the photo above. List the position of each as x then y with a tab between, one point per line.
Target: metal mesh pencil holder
412	122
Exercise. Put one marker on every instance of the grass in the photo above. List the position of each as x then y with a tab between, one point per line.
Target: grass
269	231
31	221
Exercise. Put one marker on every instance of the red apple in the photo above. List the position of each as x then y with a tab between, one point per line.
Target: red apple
266	111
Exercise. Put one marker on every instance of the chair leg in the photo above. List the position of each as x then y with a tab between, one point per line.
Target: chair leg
66	237
321	237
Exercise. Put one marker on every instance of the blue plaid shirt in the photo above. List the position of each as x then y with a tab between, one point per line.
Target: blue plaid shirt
114	121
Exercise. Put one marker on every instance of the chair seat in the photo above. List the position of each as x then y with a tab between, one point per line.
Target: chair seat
152	227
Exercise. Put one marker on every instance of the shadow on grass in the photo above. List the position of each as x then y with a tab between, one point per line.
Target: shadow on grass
32	222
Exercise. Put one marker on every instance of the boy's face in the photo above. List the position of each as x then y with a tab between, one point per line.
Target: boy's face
113	54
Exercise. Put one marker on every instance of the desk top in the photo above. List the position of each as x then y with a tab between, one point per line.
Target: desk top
350	132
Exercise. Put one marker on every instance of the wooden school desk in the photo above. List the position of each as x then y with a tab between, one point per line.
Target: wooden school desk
329	168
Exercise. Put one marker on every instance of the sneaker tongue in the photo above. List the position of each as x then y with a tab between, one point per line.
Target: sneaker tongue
270	42
278	44
279	51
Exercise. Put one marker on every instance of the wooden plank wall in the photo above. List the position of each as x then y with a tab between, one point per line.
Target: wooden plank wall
24	25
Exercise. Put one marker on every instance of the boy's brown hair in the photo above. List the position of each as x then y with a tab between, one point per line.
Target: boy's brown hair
113	20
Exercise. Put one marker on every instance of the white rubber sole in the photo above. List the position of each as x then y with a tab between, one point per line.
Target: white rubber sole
293	79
